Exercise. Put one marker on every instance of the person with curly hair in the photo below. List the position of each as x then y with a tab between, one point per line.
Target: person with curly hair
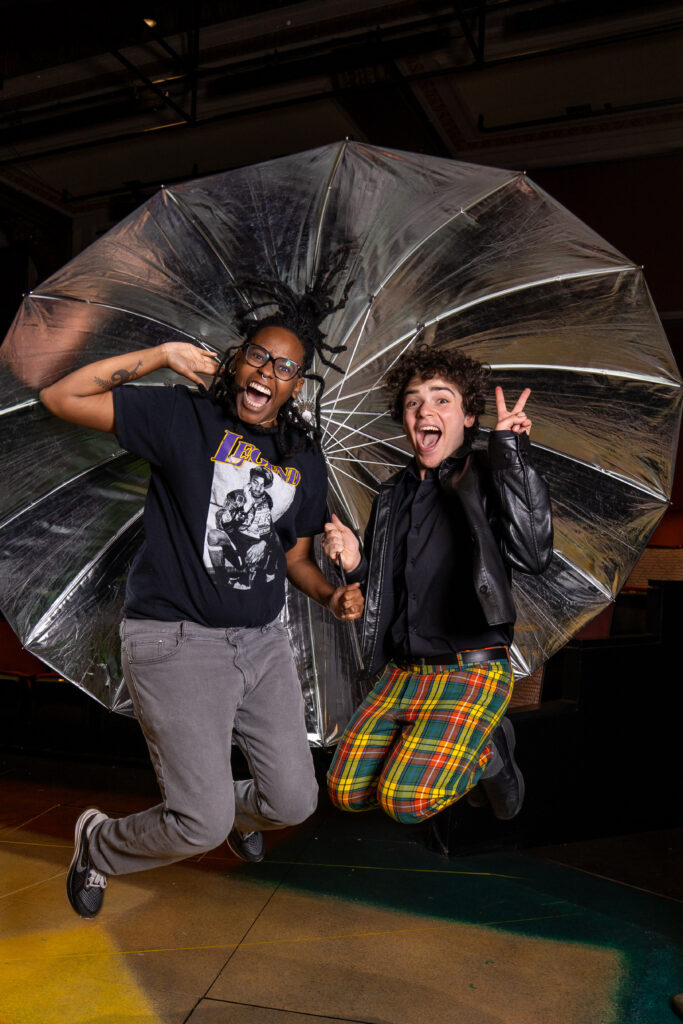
442	539
237	493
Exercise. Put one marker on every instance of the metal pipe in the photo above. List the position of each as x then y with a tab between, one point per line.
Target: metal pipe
340	93
579	114
467	32
150	84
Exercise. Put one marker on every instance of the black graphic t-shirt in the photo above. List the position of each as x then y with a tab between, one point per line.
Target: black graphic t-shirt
221	510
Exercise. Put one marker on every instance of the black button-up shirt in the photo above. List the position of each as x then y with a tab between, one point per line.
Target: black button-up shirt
437	609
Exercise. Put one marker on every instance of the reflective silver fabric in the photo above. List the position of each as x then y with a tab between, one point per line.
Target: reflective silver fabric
481	258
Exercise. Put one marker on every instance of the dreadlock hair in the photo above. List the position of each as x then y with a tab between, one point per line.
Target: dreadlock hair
302	315
426	362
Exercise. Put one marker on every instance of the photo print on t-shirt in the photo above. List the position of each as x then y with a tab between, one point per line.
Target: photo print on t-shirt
241	547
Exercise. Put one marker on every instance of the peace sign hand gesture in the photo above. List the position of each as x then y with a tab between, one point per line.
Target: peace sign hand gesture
514	419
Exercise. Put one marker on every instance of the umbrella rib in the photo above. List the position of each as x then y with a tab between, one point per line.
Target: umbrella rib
383	374
339	491
333	452
323	211
642	488
525	286
202	233
460	213
120	309
65	483
20	405
338	469
44	622
622	374
351	357
372	440
605	591
365	466
368	462
354	412
357	394
371	359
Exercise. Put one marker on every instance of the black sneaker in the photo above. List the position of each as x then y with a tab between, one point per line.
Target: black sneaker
505	789
247	845
84	884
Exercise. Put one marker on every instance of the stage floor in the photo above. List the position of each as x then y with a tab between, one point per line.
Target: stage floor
349	918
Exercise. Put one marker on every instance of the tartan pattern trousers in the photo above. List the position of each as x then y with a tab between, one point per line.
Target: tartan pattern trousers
418	742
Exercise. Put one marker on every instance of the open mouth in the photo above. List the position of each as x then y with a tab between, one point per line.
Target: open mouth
256	396
428	438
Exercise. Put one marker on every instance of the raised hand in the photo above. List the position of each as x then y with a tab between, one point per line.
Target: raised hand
85	395
513	419
190	361
341	546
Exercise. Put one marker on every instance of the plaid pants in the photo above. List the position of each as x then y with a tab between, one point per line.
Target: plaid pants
418	742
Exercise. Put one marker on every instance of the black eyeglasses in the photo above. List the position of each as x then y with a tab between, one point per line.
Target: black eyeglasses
283	368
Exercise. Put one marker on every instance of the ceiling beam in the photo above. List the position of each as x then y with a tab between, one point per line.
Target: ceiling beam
161	93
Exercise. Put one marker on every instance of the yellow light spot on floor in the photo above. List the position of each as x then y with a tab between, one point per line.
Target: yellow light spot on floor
31	992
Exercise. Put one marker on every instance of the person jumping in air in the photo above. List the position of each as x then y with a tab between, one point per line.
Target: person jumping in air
206	657
443	536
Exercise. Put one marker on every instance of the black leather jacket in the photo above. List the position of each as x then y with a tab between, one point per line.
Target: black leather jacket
507	506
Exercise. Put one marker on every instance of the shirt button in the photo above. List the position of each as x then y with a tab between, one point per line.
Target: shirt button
483	589
413	597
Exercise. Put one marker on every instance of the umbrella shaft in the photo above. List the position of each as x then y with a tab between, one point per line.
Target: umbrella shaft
354	635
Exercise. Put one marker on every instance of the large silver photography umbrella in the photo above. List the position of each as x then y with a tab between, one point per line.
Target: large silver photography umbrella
465	256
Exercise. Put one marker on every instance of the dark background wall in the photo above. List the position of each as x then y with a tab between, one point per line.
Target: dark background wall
99	108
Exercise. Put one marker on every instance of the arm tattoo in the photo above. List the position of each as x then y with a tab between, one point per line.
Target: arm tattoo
118	377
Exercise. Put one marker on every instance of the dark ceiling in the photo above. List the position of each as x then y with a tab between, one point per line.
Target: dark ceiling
446	78
100	105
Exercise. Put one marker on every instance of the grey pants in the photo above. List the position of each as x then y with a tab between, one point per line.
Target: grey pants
193	690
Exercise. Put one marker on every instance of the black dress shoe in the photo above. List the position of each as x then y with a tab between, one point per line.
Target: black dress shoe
505	789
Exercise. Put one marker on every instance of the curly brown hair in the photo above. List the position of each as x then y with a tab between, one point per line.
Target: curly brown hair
425	361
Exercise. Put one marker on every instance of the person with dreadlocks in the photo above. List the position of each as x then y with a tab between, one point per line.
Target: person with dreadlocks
442	539
237	492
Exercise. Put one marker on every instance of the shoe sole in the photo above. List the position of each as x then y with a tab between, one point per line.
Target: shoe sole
80	827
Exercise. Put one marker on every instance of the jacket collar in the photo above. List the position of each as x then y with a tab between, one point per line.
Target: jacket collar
455	461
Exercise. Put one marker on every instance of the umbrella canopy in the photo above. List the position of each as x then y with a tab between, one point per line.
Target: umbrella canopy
475	258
